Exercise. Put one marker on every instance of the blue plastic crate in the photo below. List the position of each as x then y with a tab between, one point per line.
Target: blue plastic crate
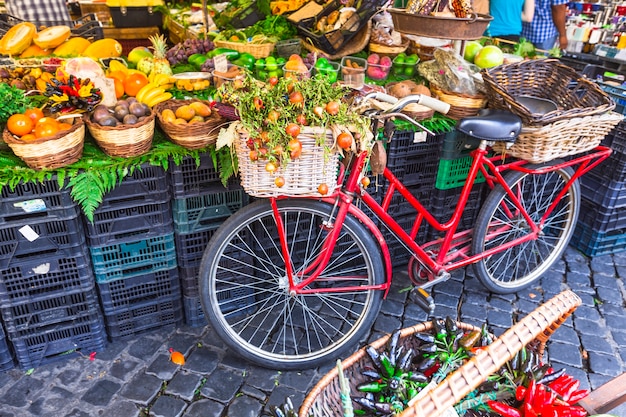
192	178
36	278
36	236
56	342
129	259
601	219
207	211
130	222
593	243
194	314
617	93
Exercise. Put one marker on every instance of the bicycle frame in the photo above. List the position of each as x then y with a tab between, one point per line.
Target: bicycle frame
448	253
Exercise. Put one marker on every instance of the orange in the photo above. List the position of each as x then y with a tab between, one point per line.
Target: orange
118	75
19	124
119	87
134	82
35	114
29	137
46	129
64	126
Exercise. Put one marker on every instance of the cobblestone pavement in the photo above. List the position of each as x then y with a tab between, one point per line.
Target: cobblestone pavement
135	378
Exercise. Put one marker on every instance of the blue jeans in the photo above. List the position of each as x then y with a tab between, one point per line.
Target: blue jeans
548	43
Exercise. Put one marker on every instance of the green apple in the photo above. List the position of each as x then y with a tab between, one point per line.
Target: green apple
471	49
488	57
137	53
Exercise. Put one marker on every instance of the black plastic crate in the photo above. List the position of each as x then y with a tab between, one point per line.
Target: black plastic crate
617	93
593	243
399	206
609	194
135	17
420	171
406	144
50	309
399	253
194	314
121	294
86	26
127	259
139	318
189	279
613	168
207	211
191	178
147	184
190	246
616	139
45	200
129	222
600	219
332	41
457	144
37	237
6	358
444	202
40	277
39	346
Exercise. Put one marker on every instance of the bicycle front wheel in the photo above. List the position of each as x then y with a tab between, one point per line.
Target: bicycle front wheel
245	293
500	222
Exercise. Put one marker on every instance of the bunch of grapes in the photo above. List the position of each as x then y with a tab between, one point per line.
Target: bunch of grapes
183	50
309	59
208	66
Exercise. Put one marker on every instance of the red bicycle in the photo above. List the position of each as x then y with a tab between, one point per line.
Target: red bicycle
293	283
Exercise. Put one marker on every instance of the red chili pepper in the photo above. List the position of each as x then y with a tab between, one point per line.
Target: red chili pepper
529	411
503	409
578	395
568	411
560	382
530	392
570	389
520	393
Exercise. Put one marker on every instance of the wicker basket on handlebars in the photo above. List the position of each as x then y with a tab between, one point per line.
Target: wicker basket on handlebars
303	175
535	329
574	95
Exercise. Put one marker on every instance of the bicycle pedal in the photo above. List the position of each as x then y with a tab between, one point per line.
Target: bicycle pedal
425	301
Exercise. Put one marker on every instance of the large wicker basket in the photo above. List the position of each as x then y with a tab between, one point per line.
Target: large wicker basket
190	135
461	105
257	50
124	140
302	176
534	329
538	144
62	149
574	95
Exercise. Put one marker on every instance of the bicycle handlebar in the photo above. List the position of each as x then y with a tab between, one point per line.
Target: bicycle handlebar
399	104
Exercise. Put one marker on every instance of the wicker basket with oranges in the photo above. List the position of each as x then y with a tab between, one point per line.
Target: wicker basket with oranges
45	142
192	124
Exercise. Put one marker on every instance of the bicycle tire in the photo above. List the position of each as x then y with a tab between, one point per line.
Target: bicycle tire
245	293
520	266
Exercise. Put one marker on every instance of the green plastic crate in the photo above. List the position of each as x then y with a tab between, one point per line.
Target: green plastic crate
452	173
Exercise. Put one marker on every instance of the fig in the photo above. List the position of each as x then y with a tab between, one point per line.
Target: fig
120	112
137	109
108	121
130	119
99	112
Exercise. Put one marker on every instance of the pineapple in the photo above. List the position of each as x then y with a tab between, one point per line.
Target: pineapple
158	64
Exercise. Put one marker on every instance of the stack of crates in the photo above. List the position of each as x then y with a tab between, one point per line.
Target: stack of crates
200	204
413	157
6	359
601	227
453	168
131	240
48	300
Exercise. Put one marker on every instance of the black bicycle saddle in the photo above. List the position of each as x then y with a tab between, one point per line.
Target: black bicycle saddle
491	124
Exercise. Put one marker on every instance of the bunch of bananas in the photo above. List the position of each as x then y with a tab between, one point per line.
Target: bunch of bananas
155	91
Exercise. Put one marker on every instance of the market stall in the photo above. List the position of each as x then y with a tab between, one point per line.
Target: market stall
132	138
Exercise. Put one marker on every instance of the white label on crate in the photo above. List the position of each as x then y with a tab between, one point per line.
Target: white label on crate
220	63
419	137
29	233
31	206
42	269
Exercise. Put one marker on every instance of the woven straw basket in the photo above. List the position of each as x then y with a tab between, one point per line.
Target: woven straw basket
534	329
302	176
461	105
257	50
192	135
125	140
565	137
574	95
62	149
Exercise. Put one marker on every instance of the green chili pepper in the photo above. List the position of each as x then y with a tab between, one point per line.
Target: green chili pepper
374	387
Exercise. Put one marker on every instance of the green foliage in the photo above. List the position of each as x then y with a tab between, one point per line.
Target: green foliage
96	174
13	101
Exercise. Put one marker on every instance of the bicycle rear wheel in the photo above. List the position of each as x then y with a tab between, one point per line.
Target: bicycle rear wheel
245	291
499	222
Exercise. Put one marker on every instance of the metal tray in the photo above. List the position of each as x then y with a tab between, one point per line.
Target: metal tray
452	28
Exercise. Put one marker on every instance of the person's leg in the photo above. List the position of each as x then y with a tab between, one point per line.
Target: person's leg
547	44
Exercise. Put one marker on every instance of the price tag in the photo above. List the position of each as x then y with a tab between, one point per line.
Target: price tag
221	63
419	137
32	206
28	233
